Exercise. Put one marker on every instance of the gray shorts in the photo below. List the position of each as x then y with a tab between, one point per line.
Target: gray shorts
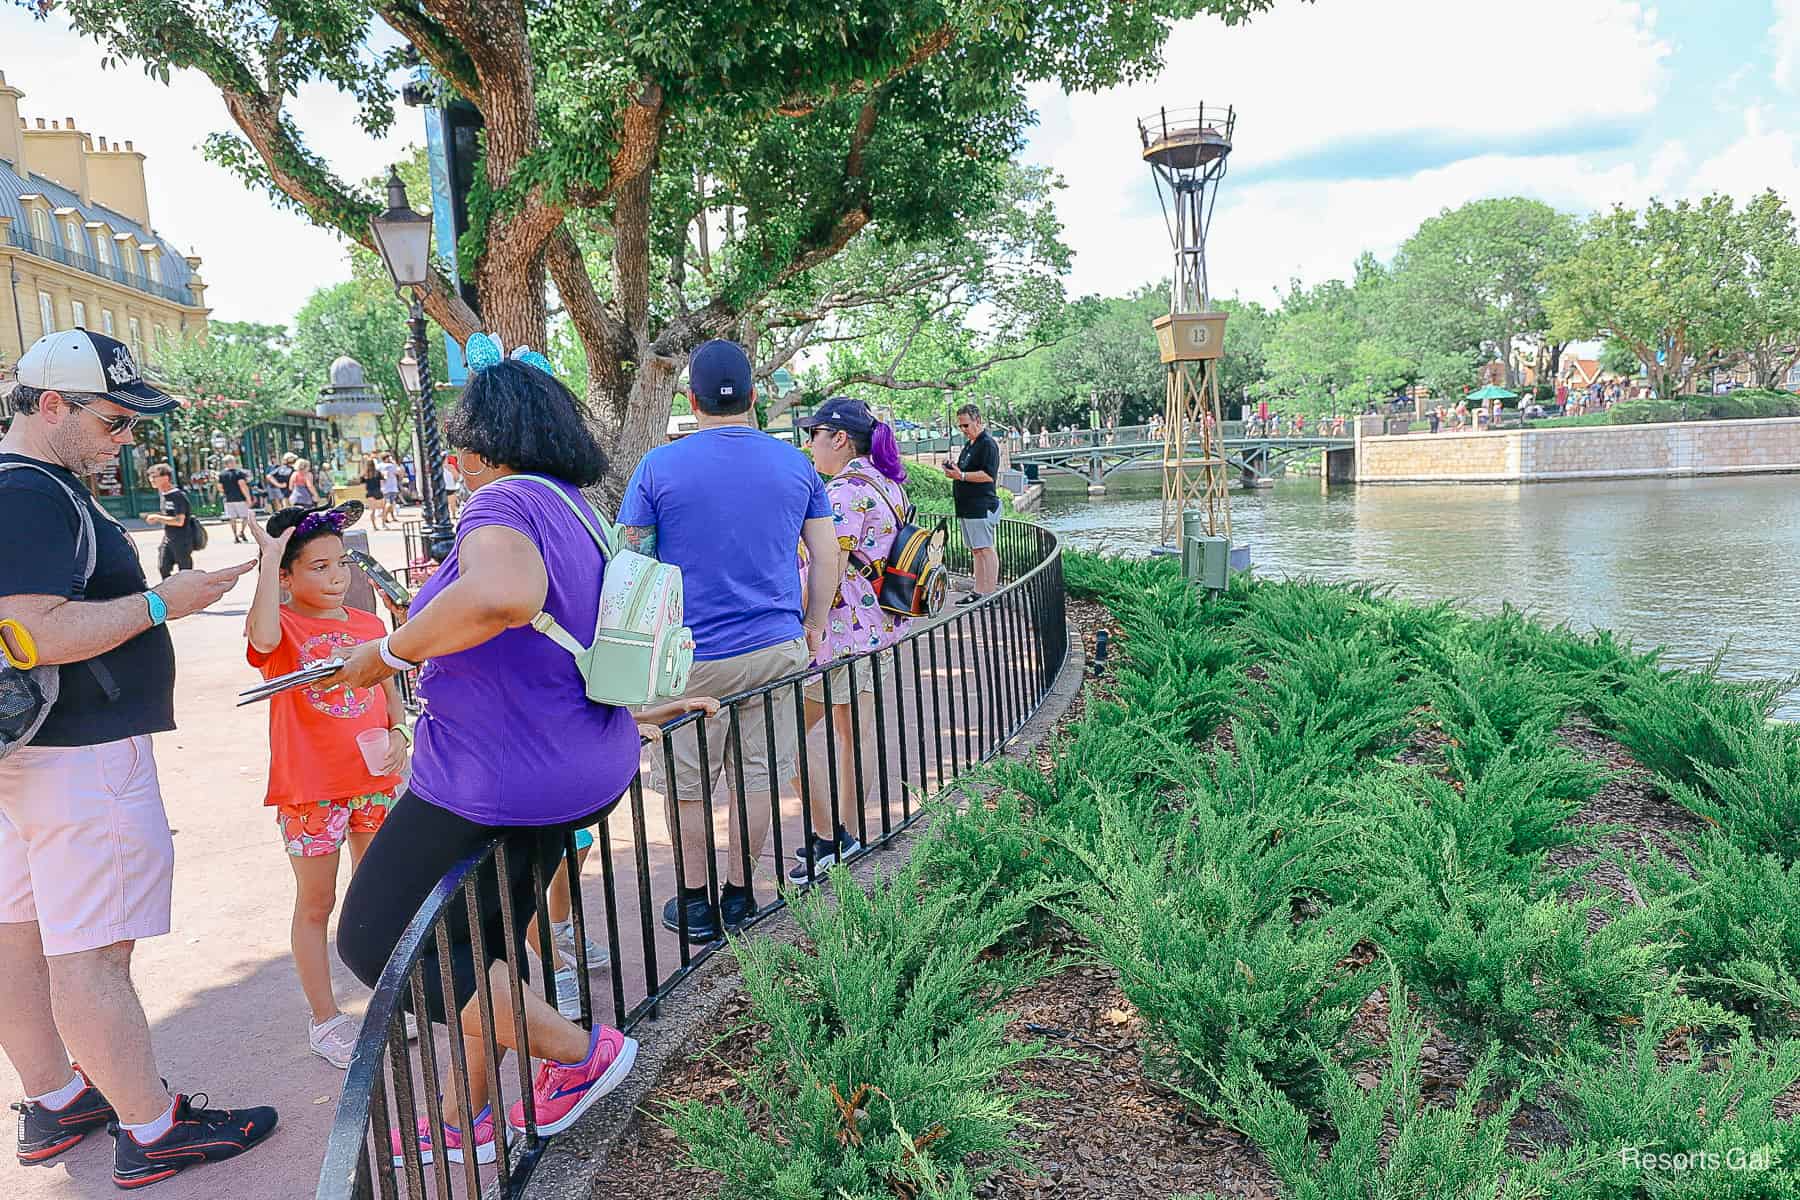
978	532
237	510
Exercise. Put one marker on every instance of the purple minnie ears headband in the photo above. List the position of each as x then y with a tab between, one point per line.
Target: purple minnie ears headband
485	350
335	519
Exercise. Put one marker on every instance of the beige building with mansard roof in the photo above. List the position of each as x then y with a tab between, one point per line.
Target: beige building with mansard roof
77	247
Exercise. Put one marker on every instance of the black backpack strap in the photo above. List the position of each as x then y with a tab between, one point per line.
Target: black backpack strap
865	567
87	555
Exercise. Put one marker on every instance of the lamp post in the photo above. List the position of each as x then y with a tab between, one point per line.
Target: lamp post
404	239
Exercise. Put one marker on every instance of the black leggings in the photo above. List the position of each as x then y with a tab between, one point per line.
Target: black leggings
417	844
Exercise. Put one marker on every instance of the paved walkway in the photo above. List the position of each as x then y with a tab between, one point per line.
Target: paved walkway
225	1009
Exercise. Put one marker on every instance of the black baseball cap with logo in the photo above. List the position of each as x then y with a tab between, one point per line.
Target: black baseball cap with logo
76	360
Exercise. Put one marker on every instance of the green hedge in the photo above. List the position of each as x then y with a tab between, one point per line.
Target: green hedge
1745	404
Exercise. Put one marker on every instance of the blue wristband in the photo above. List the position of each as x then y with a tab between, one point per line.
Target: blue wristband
159	612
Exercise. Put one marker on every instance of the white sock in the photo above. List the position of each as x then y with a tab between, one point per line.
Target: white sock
149	1131
63	1096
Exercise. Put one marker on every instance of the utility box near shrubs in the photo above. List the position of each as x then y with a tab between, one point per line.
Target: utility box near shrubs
1205	558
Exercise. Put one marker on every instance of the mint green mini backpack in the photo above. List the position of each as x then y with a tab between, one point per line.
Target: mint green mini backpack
641	651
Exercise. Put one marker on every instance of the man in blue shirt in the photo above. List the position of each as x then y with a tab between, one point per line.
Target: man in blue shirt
730	505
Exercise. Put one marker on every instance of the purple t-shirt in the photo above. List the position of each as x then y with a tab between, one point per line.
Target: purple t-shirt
508	736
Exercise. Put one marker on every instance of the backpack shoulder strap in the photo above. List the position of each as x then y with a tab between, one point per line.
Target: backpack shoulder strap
87	551
875	486
604	532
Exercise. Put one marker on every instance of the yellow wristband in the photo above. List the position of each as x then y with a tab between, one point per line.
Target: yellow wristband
403	731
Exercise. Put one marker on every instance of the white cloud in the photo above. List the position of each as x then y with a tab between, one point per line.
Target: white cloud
1307	78
1784	43
259	263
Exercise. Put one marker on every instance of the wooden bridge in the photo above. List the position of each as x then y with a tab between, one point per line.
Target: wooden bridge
1258	458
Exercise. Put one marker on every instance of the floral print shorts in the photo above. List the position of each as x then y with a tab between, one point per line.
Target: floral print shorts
315	830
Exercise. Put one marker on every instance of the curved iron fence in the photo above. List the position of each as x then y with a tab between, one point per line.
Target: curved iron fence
950	695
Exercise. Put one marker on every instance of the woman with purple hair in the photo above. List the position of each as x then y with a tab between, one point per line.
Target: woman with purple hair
865	477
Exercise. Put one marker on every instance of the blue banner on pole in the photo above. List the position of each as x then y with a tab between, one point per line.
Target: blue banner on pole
443	226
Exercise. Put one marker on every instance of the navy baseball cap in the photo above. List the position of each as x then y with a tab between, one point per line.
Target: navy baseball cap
842	412
75	360
719	371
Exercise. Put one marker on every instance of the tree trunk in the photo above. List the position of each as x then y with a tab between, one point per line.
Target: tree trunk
645	424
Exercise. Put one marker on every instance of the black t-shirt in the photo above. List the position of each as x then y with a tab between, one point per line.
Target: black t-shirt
175	504
234	483
977	499
39	533
281	475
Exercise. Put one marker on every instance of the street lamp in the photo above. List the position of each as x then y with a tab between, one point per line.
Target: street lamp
404	239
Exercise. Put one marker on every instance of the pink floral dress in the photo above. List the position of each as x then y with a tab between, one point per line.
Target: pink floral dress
864	506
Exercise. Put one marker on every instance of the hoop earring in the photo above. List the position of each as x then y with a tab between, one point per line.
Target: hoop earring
468	474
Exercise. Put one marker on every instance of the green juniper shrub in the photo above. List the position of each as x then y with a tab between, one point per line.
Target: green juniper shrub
1674	722
1753	799
1735	933
1500	964
1487	705
1713	1103
1388	1143
884	1052
1196	910
1333	702
995	847
1412	826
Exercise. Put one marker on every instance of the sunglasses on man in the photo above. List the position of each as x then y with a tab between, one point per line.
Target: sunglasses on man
114	425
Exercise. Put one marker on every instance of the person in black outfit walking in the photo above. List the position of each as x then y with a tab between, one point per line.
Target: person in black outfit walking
177	519
234	486
977	503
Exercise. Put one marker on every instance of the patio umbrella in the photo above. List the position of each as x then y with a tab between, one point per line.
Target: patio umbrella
1490	392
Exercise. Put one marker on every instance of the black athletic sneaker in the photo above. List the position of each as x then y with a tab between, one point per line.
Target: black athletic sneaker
701	927
736	907
199	1135
824	853
46	1132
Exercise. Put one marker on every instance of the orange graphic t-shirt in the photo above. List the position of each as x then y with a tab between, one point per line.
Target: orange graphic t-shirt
312	733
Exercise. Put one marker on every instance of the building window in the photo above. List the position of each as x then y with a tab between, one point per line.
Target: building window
78	314
72	230
47	312
137	338
106	322
40	222
153	267
102	250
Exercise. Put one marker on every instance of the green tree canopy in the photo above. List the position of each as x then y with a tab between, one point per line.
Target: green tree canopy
614	131
1471	282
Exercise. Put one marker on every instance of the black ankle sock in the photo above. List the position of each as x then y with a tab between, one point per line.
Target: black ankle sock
732	889
691	894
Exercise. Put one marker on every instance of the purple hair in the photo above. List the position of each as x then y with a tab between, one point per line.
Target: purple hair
884	452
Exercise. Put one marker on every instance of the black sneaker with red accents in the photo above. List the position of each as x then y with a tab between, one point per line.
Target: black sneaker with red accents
199	1135
46	1132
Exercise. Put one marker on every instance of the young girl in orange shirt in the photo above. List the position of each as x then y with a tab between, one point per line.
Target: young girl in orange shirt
324	793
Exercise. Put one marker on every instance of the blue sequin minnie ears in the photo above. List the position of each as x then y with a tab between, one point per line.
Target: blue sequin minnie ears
485	350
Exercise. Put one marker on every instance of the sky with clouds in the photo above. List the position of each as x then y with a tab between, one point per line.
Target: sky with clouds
1357	119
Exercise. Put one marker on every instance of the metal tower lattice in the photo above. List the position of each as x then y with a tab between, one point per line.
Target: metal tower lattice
1187	150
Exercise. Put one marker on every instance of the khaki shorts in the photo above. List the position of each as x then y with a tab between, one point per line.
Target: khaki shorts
237	510
866	669
722	677
85	849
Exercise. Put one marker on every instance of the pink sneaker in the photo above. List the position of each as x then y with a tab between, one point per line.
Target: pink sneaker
453	1140
566	1090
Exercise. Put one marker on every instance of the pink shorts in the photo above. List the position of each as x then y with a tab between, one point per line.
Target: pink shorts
85	849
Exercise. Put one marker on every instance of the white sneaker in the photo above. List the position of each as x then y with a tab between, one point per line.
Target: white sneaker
334	1041
563	933
568	993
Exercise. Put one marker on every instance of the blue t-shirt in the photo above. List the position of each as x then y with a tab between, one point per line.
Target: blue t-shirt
727	505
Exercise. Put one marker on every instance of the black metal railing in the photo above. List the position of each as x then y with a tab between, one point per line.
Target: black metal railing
948	696
83	262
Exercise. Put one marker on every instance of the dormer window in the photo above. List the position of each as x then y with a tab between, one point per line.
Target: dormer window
40	224
72	231
103	248
153	267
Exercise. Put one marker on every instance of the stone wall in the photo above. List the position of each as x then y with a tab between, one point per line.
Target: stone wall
1592	452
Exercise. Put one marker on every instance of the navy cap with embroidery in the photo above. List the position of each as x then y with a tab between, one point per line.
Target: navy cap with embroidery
75	360
719	372
842	412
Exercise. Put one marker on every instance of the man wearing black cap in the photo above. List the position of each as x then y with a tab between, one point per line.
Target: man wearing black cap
730	505
86	860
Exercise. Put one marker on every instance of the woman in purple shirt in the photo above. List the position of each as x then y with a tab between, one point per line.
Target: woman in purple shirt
509	744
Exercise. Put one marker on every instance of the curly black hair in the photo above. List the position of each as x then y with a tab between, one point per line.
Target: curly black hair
521	417
287	518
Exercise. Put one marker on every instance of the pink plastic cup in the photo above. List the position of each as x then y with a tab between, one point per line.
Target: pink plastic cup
374	746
